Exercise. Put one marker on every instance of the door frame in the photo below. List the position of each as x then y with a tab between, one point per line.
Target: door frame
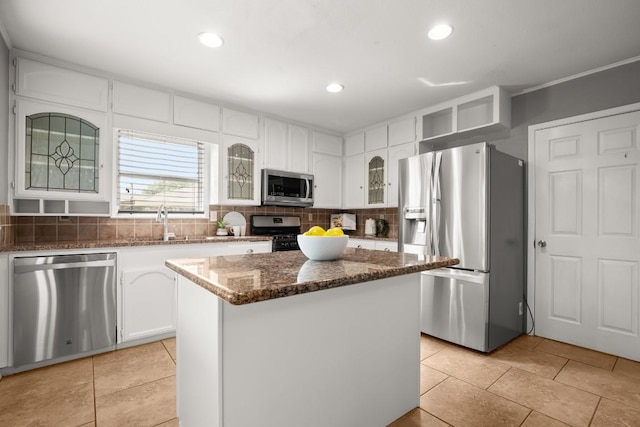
531	193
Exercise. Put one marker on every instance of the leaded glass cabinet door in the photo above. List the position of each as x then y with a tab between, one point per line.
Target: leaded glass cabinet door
60	153
376	178
241	178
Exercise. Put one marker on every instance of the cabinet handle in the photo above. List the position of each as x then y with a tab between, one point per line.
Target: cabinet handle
249	251
387	249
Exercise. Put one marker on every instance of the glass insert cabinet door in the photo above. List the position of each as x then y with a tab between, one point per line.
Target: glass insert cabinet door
376	181
61	153
240	167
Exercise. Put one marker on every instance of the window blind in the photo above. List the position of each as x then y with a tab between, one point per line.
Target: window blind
156	170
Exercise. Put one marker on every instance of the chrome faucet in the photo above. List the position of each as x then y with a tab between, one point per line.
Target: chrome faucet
165	229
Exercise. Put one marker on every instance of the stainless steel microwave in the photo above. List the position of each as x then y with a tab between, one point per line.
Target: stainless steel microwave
281	188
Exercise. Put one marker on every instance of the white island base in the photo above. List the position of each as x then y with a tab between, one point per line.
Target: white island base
347	356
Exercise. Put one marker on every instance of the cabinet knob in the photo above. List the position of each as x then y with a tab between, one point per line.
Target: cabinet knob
361	187
249	251
388	183
359	247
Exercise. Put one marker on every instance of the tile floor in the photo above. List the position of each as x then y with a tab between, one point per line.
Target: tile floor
529	382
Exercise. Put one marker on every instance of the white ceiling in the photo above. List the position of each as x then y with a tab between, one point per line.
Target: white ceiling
280	54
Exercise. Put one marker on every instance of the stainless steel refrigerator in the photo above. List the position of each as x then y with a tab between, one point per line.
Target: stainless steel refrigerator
468	203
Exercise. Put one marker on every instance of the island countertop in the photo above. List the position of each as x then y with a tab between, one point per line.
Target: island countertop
244	279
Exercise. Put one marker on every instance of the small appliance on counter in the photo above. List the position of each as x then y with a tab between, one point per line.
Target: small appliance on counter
370	227
346	221
382	228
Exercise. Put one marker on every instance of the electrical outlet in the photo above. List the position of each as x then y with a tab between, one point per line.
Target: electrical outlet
310	217
381	216
520	311
213	216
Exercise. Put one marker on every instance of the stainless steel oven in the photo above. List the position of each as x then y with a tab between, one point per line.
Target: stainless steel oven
284	229
281	188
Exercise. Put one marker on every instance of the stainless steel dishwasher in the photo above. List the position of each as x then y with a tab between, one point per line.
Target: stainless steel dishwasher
63	306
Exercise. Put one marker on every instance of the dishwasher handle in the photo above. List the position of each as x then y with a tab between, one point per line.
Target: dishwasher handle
62	265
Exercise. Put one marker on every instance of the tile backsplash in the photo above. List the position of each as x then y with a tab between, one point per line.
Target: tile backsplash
38	229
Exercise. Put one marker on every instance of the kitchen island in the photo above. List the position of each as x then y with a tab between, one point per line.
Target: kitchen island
278	340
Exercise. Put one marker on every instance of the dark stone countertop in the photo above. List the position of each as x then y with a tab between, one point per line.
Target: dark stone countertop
244	279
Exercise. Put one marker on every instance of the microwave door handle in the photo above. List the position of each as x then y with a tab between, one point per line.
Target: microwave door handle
308	187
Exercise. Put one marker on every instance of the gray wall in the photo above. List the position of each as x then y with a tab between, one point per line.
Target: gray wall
599	91
4	121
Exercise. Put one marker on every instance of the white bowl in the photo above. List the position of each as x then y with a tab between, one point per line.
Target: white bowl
322	248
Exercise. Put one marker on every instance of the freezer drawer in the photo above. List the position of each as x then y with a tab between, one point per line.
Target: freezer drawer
63	306
455	306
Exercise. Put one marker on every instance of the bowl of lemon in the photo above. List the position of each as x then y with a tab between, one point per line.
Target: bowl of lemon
319	244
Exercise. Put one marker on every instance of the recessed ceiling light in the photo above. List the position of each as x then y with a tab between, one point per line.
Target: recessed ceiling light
440	31
210	39
334	87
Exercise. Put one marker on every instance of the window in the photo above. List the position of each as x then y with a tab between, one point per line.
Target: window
61	153
240	166
156	170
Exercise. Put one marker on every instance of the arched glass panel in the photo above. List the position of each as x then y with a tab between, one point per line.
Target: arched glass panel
61	153
240	167
376	180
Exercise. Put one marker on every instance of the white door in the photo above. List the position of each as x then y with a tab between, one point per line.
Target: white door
586	229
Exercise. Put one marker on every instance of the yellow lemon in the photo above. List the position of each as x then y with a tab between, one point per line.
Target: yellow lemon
315	231
336	231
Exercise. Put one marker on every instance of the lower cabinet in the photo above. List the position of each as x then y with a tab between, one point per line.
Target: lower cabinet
147	288
380	245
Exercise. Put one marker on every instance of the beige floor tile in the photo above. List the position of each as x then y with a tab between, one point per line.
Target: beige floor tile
171	423
584	355
141	406
627	367
536	419
536	362
430	378
614	414
130	367
617	387
524	341
474	368
170	345
430	346
461	404
418	418
58	395
91	424
558	401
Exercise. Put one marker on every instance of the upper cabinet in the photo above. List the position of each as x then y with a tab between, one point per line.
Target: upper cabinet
141	102
196	114
61	163
326	144
354	144
240	183
51	83
482	111
376	138
286	147
402	131
239	123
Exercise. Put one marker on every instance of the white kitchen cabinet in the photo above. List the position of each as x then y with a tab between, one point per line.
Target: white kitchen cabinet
326	144
380	245
239	123
327	175
240	166
482	111
196	114
48	82
4	309
394	154
353	182
147	288
354	144
402	131
376	138
286	147
60	169
142	102
376	178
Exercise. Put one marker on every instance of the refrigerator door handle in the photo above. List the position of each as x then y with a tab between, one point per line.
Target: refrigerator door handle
435	213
